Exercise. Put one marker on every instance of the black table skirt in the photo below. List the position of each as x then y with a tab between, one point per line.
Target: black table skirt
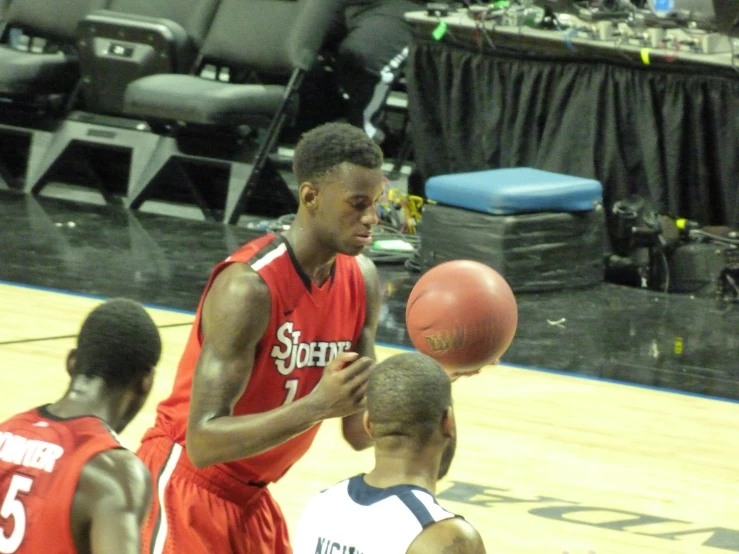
668	133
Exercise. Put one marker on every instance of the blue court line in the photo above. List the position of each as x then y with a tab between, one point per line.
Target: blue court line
623	383
411	349
590	377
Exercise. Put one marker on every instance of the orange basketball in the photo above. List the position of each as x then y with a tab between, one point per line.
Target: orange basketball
463	314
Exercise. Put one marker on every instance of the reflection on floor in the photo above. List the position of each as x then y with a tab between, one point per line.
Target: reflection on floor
615	332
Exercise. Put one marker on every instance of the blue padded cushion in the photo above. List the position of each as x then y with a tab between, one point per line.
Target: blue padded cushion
515	190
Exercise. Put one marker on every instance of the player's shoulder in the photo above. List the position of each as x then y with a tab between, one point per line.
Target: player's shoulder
238	304
369	274
238	285
112	481
365	262
326	501
366	265
117	471
449	536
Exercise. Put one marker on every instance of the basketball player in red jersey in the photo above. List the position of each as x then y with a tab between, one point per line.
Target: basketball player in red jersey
283	339
66	484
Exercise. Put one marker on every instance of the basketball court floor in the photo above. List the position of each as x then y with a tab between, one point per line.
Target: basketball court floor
547	461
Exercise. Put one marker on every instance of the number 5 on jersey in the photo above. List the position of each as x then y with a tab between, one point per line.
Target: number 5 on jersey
13	508
291	386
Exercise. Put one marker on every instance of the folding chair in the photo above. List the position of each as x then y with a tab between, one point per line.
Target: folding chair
39	72
254	60
4	5
128	40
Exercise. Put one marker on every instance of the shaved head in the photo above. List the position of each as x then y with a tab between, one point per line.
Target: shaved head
407	397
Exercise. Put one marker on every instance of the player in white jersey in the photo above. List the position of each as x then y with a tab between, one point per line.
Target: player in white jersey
392	509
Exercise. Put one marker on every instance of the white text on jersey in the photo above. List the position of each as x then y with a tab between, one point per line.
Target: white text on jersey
292	354
326	546
30	453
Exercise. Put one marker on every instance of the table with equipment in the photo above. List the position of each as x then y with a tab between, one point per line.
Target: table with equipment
645	110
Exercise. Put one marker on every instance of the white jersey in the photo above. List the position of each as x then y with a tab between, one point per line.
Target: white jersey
354	518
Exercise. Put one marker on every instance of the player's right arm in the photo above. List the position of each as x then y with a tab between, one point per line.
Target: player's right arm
449	536
111	502
235	316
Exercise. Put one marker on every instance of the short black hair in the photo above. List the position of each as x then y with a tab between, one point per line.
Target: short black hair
326	147
118	342
407	396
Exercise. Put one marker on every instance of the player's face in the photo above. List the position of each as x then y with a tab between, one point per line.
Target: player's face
348	207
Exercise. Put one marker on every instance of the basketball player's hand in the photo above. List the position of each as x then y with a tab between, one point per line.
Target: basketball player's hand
453	375
340	392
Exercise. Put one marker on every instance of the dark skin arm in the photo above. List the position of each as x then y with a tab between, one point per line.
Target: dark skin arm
352	426
235	315
110	504
449	536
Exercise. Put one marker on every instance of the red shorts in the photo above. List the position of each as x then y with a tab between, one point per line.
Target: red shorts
192	514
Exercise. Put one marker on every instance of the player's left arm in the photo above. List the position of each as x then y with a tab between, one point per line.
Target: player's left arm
352	426
112	499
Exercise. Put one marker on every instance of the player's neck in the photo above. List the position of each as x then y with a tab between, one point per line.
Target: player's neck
88	397
315	261
403	468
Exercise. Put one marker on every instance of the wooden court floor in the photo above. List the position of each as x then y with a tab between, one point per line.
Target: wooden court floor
546	463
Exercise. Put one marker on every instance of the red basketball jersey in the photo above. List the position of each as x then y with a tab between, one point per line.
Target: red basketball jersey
309	325
41	457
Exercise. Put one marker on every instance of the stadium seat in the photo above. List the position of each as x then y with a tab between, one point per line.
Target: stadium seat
128	40
39	72
253	61
46	64
4	5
